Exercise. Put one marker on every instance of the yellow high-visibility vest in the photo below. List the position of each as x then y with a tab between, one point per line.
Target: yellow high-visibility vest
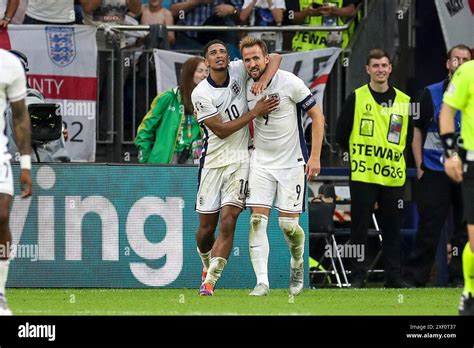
378	139
311	40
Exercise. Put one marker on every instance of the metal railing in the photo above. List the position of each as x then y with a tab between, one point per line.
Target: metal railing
118	120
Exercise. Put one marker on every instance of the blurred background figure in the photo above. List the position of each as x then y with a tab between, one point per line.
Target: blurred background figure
8	9
265	13
321	13
169	132
436	194
154	13
50	12
202	13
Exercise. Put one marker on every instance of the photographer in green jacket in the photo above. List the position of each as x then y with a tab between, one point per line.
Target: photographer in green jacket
169	132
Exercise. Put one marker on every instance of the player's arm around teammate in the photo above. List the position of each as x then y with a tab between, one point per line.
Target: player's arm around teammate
221	108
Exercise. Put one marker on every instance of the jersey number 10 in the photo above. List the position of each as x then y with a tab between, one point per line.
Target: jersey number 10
232	112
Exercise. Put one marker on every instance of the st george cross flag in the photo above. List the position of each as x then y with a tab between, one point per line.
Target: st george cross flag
63	67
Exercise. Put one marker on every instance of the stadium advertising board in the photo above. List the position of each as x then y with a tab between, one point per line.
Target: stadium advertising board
123	226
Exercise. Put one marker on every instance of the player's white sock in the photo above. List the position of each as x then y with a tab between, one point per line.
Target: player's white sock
294	236
205	257
3	274
216	266
259	247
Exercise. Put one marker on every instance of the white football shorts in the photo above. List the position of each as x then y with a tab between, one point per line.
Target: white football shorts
283	188
222	186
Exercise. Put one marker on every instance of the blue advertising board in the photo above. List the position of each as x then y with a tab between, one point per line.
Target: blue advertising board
124	226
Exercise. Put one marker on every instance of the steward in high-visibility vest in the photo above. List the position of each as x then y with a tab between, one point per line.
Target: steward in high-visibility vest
374	127
378	139
310	15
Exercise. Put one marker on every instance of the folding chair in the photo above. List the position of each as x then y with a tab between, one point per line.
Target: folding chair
371	268
321	224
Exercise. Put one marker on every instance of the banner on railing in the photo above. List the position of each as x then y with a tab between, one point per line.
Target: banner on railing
457	21
313	67
63	67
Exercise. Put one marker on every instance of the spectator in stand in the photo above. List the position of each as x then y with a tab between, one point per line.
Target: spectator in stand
169	132
19	16
165	3
154	13
103	12
321	13
50	12
206	12
109	11
265	13
8	8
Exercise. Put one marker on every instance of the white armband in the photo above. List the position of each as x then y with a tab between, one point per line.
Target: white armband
25	162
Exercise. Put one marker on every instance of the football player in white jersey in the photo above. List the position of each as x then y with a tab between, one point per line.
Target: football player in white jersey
221	108
13	90
279	164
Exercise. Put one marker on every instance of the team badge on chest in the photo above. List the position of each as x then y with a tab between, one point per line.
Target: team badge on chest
235	88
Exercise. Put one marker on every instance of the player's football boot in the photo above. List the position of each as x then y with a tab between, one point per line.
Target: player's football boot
204	274
466	305
206	289
260	289
296	280
3	306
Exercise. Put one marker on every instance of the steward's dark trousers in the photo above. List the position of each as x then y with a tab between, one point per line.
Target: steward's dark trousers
435	196
390	206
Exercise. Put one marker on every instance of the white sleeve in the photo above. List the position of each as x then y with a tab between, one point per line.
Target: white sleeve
16	89
300	93
237	67
203	106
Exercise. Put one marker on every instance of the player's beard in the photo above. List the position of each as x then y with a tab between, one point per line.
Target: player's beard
261	72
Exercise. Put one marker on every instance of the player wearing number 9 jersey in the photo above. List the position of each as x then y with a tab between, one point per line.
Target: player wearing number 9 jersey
277	166
221	108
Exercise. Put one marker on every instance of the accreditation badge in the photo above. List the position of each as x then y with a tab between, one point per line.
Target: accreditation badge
395	129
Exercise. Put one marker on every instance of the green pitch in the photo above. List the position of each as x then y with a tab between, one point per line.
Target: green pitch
233	302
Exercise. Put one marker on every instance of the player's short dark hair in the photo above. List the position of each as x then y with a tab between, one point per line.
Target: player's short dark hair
210	43
459	47
377	53
250	41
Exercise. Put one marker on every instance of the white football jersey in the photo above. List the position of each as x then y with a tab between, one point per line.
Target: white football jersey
12	89
279	138
229	102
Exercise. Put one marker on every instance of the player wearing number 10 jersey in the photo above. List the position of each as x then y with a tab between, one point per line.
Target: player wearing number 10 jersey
222	111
